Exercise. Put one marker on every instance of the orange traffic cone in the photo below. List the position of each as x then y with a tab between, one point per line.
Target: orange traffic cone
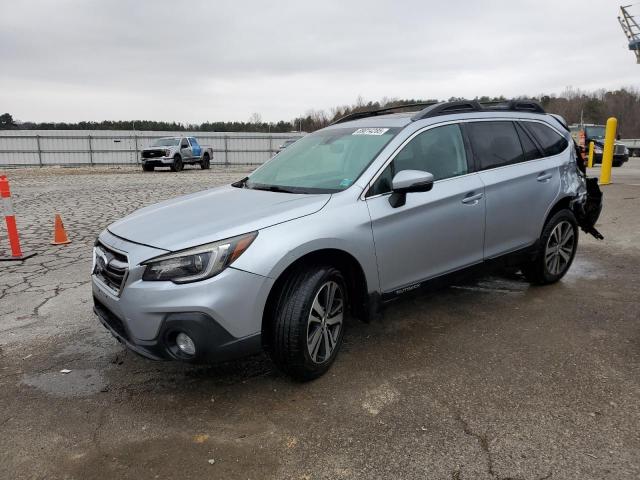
59	234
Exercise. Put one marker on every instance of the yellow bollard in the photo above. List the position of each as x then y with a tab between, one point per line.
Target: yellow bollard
607	151
592	146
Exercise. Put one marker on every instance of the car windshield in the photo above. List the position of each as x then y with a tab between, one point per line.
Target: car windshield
166	142
594	132
326	161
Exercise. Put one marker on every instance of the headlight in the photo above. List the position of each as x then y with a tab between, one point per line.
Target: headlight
597	149
626	150
167	153
197	263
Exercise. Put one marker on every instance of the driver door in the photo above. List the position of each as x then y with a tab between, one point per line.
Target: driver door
434	232
185	149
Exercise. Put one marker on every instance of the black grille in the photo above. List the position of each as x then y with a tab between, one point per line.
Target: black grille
111	267
153	153
112	320
619	150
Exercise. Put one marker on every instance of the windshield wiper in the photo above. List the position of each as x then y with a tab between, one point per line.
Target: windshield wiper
240	183
244	183
270	188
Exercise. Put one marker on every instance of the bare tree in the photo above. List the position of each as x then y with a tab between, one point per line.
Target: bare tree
255	118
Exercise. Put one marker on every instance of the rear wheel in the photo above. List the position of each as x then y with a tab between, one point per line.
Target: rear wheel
205	164
309	322
556	250
177	165
148	168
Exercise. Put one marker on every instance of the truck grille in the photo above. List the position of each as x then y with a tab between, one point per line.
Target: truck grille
111	267
152	153
618	150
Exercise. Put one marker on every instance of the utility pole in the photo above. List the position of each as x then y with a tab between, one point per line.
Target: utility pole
135	139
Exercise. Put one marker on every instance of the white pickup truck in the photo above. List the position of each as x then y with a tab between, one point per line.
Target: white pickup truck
175	152
633	144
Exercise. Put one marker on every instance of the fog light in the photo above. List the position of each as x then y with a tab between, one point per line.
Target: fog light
185	344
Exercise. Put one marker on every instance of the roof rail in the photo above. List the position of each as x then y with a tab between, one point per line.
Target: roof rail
447	108
514	105
434	109
373	113
462	106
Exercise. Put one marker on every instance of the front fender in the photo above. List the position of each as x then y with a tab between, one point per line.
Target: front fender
347	229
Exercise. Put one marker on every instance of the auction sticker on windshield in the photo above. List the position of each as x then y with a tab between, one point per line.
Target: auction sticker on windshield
370	131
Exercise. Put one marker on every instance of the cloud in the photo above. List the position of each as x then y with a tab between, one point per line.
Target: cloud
199	60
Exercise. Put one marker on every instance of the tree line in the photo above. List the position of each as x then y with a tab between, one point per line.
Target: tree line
573	104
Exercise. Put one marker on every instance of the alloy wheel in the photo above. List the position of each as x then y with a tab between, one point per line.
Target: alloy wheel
325	321
559	249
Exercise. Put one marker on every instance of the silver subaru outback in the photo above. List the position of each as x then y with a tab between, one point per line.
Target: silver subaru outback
374	206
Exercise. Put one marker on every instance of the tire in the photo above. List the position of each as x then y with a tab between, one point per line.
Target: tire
148	168
304	341
177	165
617	163
549	264
205	164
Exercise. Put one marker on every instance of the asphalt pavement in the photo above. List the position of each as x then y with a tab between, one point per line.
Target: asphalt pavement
491	379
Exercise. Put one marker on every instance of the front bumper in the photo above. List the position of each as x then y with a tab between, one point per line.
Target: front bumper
157	161
223	314
617	159
213	343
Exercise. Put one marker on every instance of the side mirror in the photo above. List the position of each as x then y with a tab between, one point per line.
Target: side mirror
408	181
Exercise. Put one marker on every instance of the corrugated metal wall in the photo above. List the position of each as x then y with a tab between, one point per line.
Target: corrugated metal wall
112	147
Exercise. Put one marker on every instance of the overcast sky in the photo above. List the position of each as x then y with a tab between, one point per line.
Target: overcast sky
195	61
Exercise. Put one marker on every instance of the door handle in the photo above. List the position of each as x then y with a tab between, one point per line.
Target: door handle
472	199
544	177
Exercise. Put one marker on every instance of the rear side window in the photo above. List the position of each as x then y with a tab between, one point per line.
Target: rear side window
531	151
495	144
551	142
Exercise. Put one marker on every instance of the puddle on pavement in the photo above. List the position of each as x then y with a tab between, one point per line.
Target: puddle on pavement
495	284
94	347
582	269
77	383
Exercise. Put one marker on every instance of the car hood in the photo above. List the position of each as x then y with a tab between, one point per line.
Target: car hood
213	215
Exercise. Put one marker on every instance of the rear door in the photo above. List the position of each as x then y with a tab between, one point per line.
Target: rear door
196	149
520	184
435	232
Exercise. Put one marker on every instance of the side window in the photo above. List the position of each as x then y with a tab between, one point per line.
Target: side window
531	152
552	142
495	144
383	182
439	151
193	141
184	143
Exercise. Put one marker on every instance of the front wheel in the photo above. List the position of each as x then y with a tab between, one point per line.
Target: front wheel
177	165
309	320
205	164
556	250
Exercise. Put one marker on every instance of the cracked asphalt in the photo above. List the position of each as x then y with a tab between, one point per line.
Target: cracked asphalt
490	379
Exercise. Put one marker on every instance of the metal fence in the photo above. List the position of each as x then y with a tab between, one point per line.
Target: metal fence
102	148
